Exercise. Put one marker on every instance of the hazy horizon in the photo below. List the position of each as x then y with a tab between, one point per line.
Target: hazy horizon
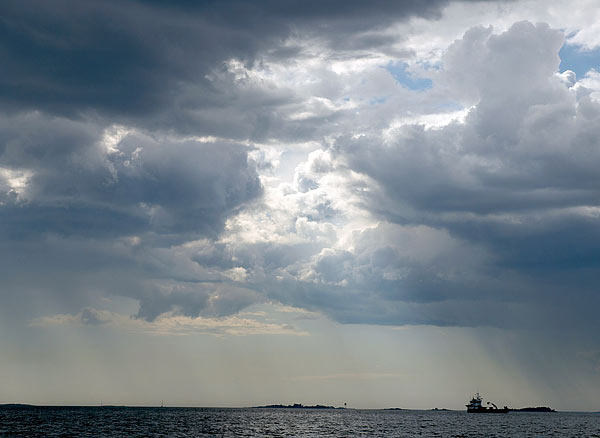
230	203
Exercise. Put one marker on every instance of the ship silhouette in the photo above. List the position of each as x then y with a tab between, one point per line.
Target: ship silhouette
475	406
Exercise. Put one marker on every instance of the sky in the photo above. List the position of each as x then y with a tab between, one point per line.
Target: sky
384	203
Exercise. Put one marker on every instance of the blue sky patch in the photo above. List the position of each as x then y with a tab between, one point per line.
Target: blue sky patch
406	79
577	60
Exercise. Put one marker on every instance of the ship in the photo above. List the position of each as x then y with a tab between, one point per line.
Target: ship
475	406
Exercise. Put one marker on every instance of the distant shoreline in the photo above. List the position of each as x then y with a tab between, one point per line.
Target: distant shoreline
296	406
537	409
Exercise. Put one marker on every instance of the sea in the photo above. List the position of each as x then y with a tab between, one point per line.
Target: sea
256	422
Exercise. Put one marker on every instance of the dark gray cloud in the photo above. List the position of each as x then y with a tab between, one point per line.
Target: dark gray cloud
78	184
86	207
141	61
195	300
91	316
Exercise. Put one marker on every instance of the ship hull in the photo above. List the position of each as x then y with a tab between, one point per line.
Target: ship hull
487	411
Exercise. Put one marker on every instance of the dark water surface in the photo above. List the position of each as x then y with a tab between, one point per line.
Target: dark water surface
193	422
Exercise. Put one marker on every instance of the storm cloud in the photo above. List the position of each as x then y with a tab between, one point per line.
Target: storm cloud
202	157
154	63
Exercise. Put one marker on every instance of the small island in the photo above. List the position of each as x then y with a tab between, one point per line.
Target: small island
533	409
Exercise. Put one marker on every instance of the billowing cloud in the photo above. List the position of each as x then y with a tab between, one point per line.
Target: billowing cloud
486	219
516	178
